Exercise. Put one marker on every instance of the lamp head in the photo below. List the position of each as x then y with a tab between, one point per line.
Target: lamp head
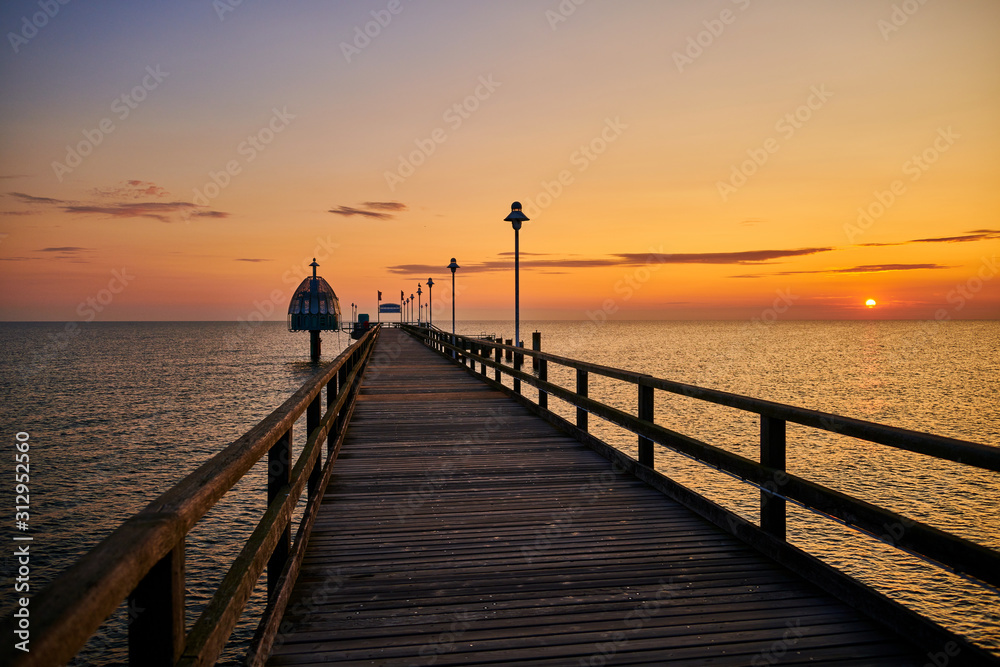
516	217
453	266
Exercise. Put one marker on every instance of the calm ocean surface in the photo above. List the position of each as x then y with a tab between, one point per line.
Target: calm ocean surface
118	412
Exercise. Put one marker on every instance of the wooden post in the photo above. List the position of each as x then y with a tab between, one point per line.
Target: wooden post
279	470
508	354
497	357
312	422
483	352
772	454
646	414
543	375
581	390
536	344
156	613
331	398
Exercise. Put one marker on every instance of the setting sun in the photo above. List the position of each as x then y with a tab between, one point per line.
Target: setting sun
870	303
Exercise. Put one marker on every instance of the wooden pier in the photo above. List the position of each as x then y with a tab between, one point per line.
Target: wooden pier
458	528
450	519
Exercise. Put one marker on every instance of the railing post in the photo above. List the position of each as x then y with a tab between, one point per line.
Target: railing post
543	375
508	354
536	345
156	613
482	362
279	469
497	357
312	422
646	414
331	398
581	390
772	454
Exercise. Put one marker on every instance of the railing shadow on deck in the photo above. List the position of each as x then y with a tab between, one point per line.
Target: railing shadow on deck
776	485
143	560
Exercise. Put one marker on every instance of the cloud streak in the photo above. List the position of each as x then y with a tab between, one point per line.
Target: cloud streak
133	189
377	210
864	268
621	259
967	237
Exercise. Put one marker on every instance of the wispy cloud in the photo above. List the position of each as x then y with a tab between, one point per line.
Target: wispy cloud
385	206
64	249
160	211
864	268
378	210
739	257
967	237
132	189
618	259
31	199
153	210
252	259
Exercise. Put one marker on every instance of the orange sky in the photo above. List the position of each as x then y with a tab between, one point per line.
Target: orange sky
727	159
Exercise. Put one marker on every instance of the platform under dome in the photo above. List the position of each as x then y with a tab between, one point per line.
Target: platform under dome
314	306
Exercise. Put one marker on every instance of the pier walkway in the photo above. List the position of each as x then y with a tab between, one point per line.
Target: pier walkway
458	528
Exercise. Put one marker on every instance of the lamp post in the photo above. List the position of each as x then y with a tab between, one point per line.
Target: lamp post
515	219
430	298
412	299
453	266
420	309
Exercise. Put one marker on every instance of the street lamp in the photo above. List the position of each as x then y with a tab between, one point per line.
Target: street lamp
420	309
453	266
430	306
412	298
515	219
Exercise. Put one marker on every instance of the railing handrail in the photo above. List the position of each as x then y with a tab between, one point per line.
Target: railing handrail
71	608
952	449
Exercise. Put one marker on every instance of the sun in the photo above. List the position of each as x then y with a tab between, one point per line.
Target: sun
871	303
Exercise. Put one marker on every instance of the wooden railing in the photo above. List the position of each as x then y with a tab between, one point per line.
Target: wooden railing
143	560
768	474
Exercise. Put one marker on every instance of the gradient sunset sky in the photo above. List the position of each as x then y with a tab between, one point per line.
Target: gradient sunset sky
678	160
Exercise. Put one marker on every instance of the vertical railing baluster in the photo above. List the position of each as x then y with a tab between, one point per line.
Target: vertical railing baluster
278	476
543	375
581	390
772	454
646	414
497	357
312	422
331	398
483	352
156	613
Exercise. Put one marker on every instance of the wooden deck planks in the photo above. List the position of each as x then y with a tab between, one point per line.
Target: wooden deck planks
460	529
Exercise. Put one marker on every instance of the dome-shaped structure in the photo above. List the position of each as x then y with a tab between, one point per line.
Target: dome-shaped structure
314	305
